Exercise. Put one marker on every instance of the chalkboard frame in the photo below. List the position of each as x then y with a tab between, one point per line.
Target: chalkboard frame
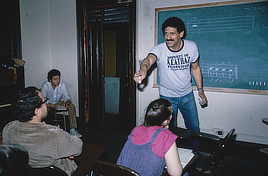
212	89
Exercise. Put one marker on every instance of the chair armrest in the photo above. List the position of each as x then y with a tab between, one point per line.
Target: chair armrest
185	134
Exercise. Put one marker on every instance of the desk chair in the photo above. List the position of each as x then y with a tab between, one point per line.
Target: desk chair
48	171
214	163
102	168
190	135
264	150
57	115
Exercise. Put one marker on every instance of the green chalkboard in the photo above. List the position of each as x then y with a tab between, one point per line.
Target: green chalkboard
232	40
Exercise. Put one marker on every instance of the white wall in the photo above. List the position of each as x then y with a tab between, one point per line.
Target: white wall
226	110
49	40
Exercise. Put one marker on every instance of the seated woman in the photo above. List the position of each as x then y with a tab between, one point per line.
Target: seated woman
14	160
151	146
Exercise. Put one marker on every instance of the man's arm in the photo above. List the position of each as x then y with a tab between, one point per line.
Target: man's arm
53	106
196	70
65	93
68	145
144	67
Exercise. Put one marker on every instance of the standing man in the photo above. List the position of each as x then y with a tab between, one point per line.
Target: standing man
175	59
58	95
47	145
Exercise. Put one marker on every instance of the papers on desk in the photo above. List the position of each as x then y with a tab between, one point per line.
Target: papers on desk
61	108
185	155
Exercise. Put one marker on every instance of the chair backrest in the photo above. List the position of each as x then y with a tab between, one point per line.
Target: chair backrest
48	171
215	159
102	168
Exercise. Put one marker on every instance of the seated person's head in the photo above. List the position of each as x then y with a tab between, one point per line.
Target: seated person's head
158	112
25	102
13	160
51	73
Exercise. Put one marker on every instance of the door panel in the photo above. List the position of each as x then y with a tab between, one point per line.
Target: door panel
107	18
96	75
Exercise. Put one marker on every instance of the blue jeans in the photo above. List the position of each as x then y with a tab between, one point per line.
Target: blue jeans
188	109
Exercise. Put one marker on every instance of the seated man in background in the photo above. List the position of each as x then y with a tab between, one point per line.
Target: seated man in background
58	95
47	145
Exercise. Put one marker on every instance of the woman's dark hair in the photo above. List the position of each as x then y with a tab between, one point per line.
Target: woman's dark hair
51	73
176	23
25	102
14	160
157	112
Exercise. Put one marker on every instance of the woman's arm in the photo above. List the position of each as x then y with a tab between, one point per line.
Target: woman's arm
173	163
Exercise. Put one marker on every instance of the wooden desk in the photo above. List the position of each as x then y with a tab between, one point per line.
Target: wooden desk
91	152
186	168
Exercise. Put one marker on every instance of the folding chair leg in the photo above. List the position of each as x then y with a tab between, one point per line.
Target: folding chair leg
64	121
56	119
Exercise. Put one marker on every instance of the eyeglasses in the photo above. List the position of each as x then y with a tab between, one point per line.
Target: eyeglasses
45	100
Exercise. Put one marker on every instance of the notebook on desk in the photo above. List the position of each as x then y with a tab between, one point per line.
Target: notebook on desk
61	108
185	155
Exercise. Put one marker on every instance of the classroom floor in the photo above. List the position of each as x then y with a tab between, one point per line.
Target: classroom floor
244	159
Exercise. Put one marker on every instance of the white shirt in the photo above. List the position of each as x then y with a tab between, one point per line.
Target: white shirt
55	95
174	68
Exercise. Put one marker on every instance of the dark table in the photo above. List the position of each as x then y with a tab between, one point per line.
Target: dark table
91	152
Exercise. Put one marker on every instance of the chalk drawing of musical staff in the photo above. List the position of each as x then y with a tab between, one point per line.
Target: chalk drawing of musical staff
225	73
236	23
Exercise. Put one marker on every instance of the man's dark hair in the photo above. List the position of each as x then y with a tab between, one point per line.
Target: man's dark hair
51	73
25	102
157	112
176	23
14	160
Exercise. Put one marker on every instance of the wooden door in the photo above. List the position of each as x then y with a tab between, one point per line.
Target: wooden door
95	21
94	72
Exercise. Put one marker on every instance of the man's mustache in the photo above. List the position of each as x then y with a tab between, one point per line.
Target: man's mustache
169	40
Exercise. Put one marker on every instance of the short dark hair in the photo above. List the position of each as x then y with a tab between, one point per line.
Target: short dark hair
24	103
51	73
157	112
14	160
176	23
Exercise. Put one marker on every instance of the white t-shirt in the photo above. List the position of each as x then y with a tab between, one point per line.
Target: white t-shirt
174	73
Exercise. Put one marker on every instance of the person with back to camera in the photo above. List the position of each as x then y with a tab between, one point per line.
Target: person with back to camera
151	146
176	58
47	145
58	95
14	160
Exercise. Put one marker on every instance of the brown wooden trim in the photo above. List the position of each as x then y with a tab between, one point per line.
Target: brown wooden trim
207	5
80	59
132	61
